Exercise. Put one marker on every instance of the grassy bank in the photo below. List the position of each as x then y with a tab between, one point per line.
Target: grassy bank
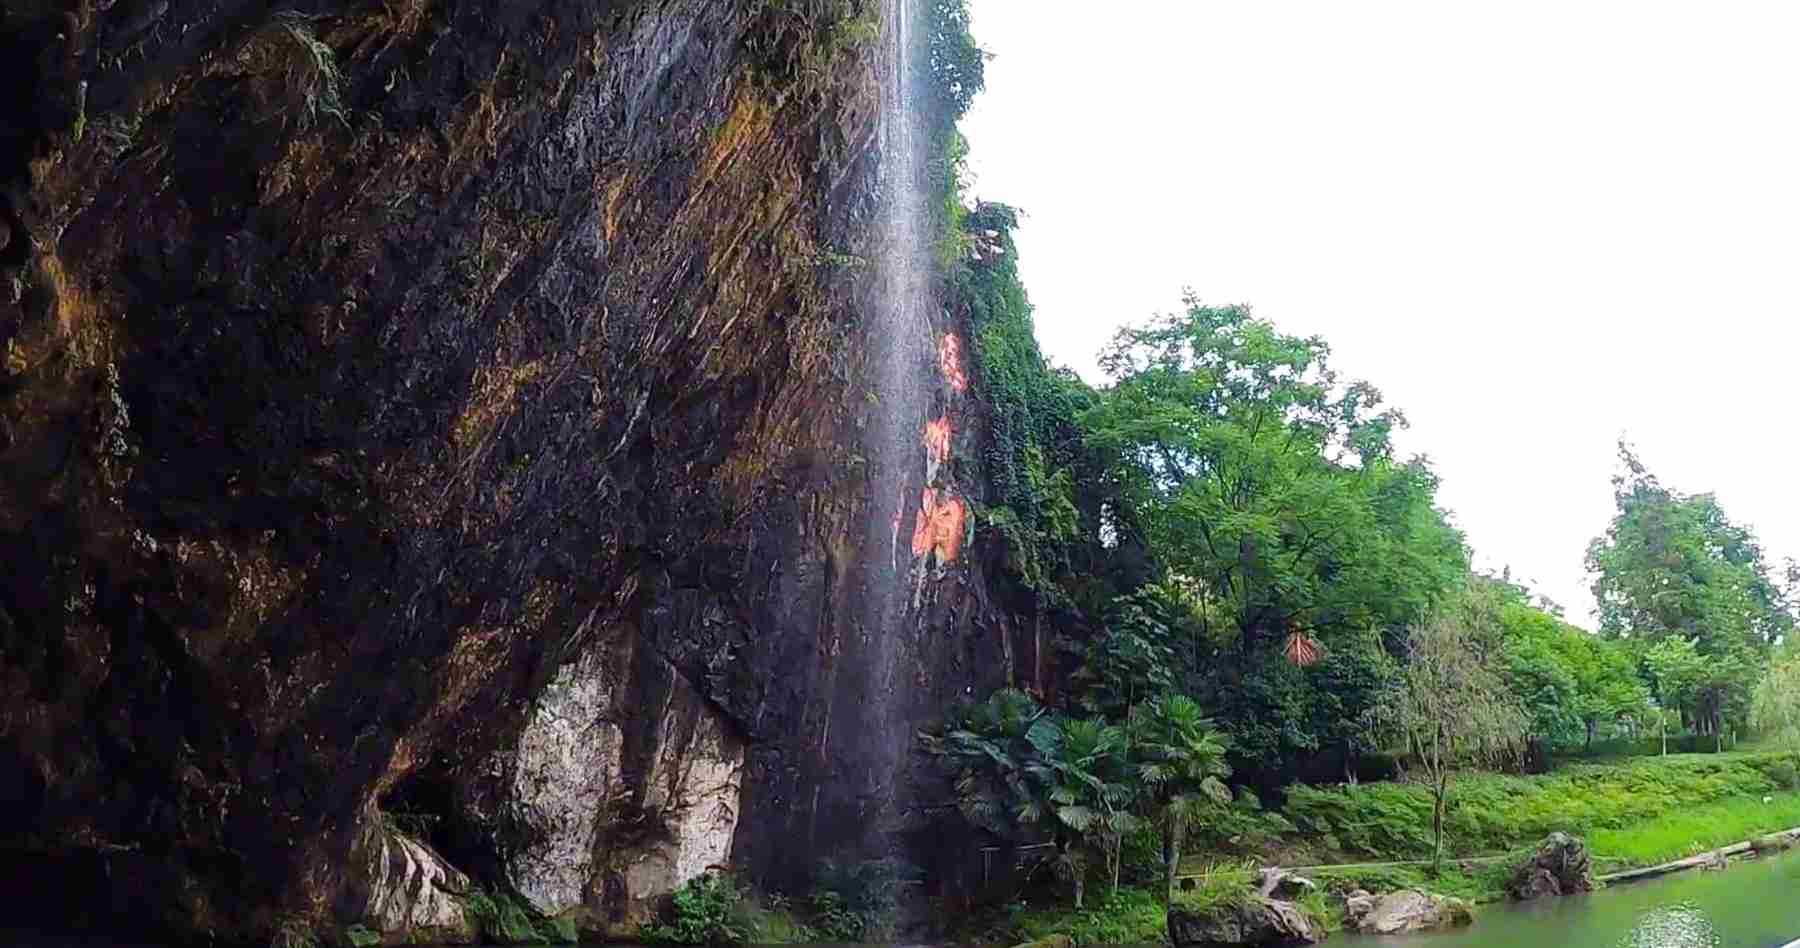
1632	813
1493	813
1693	830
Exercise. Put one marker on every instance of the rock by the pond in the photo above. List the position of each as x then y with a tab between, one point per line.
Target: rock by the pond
1050	941
1412	910
1253	920
1560	866
1358	903
1283	885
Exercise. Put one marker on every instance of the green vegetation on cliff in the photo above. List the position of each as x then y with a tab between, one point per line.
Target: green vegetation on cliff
1225	527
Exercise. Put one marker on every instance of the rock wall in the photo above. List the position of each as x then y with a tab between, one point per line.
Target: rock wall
453	413
625	784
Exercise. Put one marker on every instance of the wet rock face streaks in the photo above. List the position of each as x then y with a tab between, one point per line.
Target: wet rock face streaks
335	452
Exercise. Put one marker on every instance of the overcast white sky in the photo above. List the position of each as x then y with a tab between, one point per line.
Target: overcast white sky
1534	226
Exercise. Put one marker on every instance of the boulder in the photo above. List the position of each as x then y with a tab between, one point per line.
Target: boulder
1283	885
1560	866
1412	910
1251	920
404	889
1358	903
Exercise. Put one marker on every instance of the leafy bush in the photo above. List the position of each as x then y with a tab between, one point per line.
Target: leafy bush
855	902
503	917
1129	916
707	910
1780	769
293	932
1141	855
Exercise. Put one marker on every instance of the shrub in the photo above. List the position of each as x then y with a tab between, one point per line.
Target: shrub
1780	770
855	901
293	932
1129	916
505	918
1141	855
707	910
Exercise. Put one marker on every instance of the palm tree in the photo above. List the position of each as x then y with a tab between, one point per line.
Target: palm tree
1078	767
1180	760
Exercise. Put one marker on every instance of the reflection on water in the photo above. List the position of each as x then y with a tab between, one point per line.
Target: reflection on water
1682	925
1752	905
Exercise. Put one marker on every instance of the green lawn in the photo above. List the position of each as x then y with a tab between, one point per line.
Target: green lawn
1693	830
1632	813
1493	813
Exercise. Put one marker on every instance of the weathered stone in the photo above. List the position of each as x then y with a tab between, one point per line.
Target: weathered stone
325	446
1283	885
409	891
1251	920
1412	910
614	817
566	765
1358	903
1560	866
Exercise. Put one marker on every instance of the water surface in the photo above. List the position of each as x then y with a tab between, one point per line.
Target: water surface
1751	905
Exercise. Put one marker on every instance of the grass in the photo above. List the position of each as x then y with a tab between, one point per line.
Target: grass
1492	813
1693	830
1632	812
1132	916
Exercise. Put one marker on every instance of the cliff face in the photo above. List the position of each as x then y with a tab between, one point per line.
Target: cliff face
435	455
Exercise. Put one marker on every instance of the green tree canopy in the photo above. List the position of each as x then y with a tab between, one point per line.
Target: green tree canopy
1673	571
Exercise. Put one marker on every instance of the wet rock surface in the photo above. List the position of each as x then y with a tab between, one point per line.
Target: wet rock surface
1408	910
1251	920
1560	866
473	432
405	887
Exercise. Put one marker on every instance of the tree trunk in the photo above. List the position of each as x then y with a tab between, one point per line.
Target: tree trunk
1171	851
1437	833
1441	781
1080	886
1037	648
1117	856
1590	736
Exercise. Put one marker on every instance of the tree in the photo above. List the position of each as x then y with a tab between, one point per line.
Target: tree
1020	769
1180	761
1247	467
1080	766
1451	708
1253	469
1775	708
1674	566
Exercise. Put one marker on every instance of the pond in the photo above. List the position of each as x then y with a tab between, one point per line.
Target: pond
1751	905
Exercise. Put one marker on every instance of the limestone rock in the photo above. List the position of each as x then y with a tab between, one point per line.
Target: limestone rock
408	889
1412	910
1358	903
624	786
1284	885
1252	920
1560	866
